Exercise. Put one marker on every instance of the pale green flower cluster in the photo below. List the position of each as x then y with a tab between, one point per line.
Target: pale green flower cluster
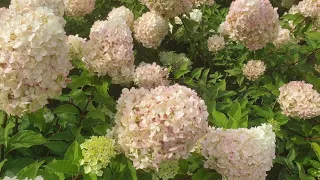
167	170
173	59
97	152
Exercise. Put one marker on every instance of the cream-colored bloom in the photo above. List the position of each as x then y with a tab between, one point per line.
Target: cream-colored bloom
150	29
151	75
123	13
254	69
240	154
253	23
97	153
23	6
216	43
16	178
196	15
78	8
76	44
110	51
282	38
34	60
308	8
158	125
298	99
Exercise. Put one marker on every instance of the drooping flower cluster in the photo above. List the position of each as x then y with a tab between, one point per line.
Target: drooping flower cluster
110	51
308	8
282	38
167	170
76	44
23	6
240	154
97	153
16	178
298	99
254	69
120	13
150	29
216	43
254	23
175	60
78	8
151	75
158	125
34	61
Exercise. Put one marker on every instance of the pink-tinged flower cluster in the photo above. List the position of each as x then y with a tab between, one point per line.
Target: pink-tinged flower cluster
151	75
2	11
121	13
216	43
308	8
158	125
76	44
110	51
240	154
283	37
34	61
23	6
254	69
150	29
78	8
253	23
298	99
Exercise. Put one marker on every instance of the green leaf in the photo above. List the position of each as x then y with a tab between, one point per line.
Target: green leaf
180	73
201	174
63	166
26	138
2	163
74	154
90	177
57	146
196	73
66	108
69	118
235	111
103	89
298	140
292	154
38	120
219	119
30	171
316	149
4	133
47	175
96	114
313	35
107	174
64	136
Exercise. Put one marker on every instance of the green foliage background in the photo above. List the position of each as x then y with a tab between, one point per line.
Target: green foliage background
39	145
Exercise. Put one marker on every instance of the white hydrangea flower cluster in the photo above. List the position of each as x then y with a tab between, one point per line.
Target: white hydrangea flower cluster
3	11
216	43
254	23
78	8
76	44
151	75
159	125
167	170
34	61
240	154
204	2
150	29
254	69
169	8
196	15
23	6
283	38
110	51
222	30
173	59
97	153
122	12
308	8
298	99
16	178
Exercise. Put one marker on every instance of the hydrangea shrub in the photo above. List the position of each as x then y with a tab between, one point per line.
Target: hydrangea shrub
159	90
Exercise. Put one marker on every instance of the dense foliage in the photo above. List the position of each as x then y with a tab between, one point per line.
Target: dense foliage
160	89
